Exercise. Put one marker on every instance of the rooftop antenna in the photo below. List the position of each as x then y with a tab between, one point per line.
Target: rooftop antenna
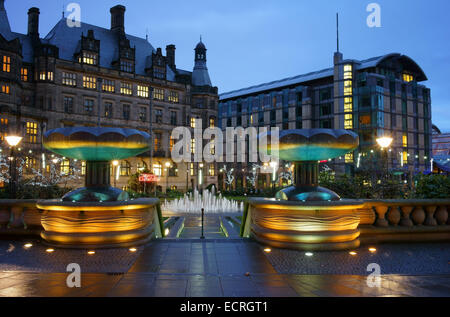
146	34
200	37
63	11
337	31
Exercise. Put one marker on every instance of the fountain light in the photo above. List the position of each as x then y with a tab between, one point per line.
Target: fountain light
372	250
50	250
309	254
132	250
267	250
91	252
28	245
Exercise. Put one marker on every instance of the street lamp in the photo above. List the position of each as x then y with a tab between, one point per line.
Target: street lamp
200	177
274	166
115	174
168	165
384	143
13	141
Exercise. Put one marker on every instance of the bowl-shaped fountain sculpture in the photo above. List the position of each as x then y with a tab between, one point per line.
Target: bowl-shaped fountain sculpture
98	147
98	215
306	148
306	216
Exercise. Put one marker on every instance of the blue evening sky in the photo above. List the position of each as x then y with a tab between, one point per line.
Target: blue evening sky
252	41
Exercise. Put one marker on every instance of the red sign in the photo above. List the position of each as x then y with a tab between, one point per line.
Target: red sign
148	178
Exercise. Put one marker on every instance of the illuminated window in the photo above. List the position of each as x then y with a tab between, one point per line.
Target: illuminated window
364	120
405	157
212	122
171	143
193	146
192	169
69	79
349	158
212	148
89	82
142	91
158	94
43	75
32	132
348	72
88	105
348	100
6	64
173	96
6	89
408	78
109	85
157	169
405	140
66	169
24	74
83	168
88	58
3	128
125	168
30	164
126	89
348	122
193	122
212	170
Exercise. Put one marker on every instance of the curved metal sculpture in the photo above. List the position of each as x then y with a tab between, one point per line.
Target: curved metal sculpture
305	148
98	147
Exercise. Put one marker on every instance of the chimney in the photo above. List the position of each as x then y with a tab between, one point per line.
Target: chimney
118	19
170	53
33	22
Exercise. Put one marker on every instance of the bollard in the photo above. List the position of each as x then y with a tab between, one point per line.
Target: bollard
203	219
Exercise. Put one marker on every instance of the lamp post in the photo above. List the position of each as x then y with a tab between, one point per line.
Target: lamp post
385	143
200	178
13	141
274	166
168	166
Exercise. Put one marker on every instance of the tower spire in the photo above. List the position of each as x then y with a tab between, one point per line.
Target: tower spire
337	31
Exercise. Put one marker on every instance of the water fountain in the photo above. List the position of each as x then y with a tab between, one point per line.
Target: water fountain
98	214
306	216
209	201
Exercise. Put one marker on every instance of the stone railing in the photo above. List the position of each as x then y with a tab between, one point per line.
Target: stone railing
19	217
405	220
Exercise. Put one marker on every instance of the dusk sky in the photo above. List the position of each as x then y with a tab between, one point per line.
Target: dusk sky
252	41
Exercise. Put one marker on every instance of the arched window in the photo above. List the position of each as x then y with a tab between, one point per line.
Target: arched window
141	166
125	168
66	169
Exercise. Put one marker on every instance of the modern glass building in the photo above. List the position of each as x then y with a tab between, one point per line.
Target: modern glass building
380	96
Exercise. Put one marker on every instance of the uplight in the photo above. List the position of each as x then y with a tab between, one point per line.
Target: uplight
50	250
132	249
91	252
267	250
166	232
28	245
353	253
372	250
309	254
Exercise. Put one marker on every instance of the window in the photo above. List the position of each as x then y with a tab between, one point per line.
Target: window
3	128
126	112
109	85
88	58
32	132
126	89
142	91
69	79
159	116
159	73
173	170
212	122
66	169
408	78
89	82
68	104
173	118
6	89
157	169
143	114
325	124
193	146
348	99
173	96
348	121
349	158
365	120
325	110
193	122
127	66
125	168
43	75
192	169
108	109
405	140
158	94
83	168
24	74
212	170
157	142
88	105
171	143
6	64
30	164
